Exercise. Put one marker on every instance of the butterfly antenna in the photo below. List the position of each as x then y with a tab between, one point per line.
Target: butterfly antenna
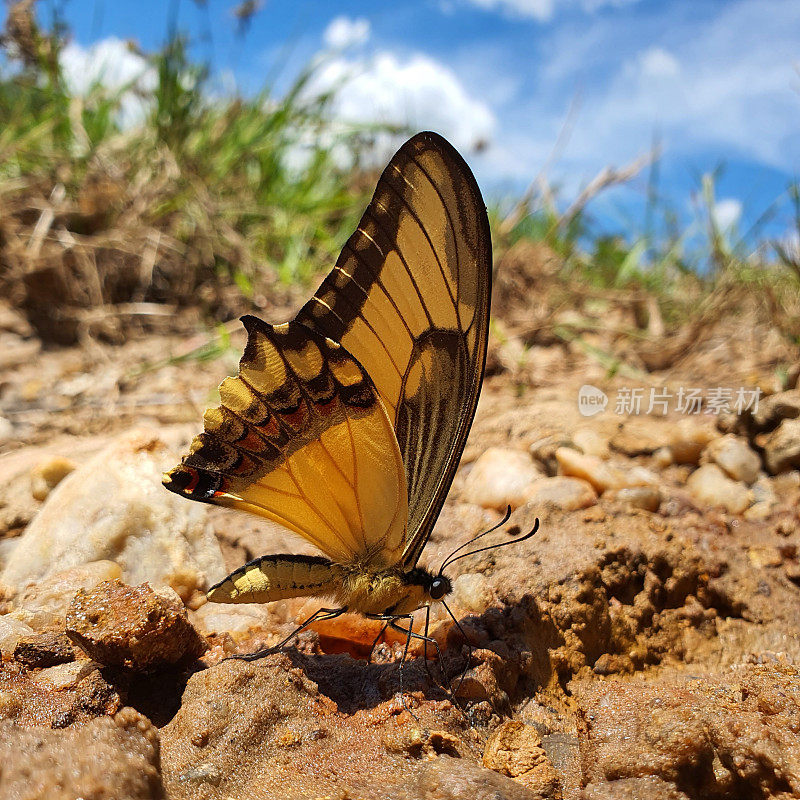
474	539
453	557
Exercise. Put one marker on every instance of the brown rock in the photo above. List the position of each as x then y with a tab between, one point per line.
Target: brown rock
599	473
500	478
688	440
730	735
638	437
645	497
130	626
515	749
105	759
562	492
782	447
44	650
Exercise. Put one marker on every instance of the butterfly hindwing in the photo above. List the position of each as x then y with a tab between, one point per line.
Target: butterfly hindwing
302	437
409	298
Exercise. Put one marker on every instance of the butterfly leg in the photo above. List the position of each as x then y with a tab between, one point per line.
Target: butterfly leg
375	642
319	614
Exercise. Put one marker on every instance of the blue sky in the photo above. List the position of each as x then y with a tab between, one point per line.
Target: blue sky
716	81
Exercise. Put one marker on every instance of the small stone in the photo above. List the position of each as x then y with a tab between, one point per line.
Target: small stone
646	497
47	475
590	442
786	482
775	408
735	457
764	491
710	485
638	437
500	478
63	676
120	625
663	457
577	465
44	650
638	475
764	556
567	494
688	440
782	447
515	749
11	631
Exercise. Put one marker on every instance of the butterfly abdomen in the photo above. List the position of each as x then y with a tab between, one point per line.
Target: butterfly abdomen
277	577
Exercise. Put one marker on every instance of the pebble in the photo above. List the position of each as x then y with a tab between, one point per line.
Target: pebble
500	477
735	457
776	407
638	437
663	457
782	447
600	474
646	497
132	626
47	475
710	485
114	507
590	442
688	440
565	493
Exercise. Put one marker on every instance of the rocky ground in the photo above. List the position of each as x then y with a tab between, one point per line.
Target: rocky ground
645	643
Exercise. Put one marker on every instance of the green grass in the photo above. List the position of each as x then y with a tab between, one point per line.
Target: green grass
205	202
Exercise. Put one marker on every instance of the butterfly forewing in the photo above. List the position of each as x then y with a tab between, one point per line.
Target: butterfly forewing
409	298
302	438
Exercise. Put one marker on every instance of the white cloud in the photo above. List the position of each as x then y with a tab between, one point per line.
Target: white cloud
112	64
417	91
344	32
727	213
657	62
536	9
544	10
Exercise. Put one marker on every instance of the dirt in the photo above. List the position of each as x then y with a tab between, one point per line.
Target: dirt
635	653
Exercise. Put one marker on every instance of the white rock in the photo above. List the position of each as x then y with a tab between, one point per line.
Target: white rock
735	457
499	478
115	508
687	441
11	631
600	474
567	494
712	486
590	442
48	474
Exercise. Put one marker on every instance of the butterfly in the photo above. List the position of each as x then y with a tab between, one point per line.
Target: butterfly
346	425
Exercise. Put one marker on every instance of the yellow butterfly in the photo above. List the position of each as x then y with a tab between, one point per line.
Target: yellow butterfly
346	425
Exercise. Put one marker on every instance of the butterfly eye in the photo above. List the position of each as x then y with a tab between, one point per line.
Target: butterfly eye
440	586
